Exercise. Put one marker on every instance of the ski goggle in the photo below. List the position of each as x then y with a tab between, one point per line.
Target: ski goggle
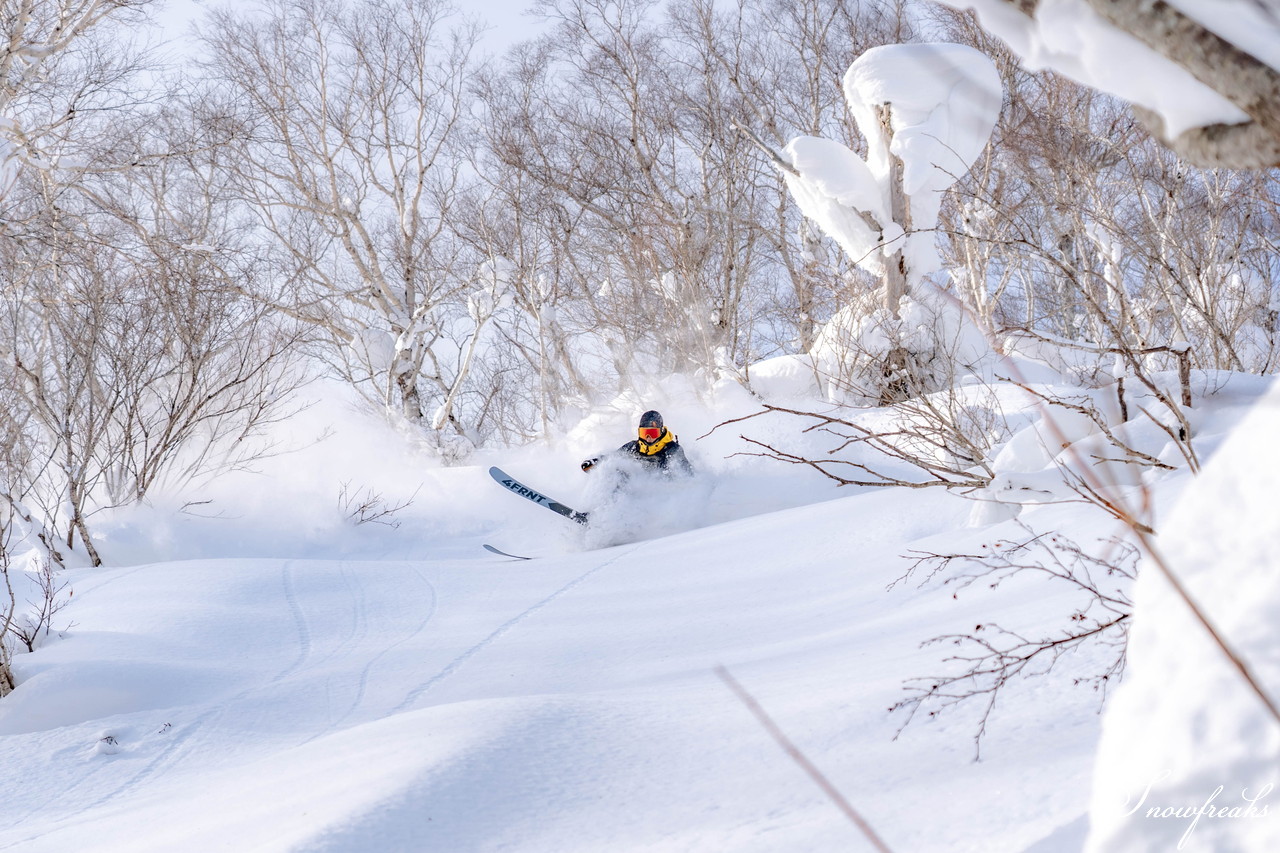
650	433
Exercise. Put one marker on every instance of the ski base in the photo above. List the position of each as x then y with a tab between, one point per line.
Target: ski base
516	487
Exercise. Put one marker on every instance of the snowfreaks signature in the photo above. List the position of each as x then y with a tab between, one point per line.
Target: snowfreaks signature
1252	806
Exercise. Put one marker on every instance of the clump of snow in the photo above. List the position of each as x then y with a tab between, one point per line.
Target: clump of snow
945	99
1069	37
837	190
785	379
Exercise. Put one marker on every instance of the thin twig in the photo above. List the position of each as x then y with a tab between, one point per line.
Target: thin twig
1236	659
799	758
1146	536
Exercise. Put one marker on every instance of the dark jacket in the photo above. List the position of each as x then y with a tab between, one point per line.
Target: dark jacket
670	458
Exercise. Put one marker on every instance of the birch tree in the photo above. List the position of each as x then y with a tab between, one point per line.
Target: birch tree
343	119
926	112
129	357
62	77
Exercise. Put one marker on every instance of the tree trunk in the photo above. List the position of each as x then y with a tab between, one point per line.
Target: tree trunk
898	361
410	397
896	278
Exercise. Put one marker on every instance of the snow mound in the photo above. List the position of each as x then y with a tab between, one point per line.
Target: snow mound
1189	753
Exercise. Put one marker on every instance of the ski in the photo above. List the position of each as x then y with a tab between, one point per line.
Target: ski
500	552
516	487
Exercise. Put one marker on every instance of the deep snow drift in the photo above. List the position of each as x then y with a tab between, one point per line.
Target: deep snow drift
363	687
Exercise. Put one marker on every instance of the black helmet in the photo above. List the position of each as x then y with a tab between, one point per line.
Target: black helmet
651	419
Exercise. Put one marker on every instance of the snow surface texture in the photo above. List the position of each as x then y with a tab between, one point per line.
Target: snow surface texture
564	704
1067	36
399	689
1189	753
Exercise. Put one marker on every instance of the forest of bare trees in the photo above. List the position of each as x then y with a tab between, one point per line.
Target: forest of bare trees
479	245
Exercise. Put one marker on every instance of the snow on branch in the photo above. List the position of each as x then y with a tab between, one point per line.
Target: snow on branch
1203	75
941	101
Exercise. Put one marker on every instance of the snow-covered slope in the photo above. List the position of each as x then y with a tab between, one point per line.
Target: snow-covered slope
562	704
368	688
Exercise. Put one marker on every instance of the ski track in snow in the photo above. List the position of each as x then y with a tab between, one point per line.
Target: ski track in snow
300	620
188	738
183	739
65	794
362	683
177	737
457	663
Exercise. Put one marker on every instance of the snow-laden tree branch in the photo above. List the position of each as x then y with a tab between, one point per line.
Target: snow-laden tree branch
1203	77
926	112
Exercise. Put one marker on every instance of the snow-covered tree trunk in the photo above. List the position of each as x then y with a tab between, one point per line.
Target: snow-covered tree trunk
898	361
926	111
897	278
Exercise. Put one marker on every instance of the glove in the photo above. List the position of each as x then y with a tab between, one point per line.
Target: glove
588	464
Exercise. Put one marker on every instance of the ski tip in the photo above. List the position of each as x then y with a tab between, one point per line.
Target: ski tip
493	550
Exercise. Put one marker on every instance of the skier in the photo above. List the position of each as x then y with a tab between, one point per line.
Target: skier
657	449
